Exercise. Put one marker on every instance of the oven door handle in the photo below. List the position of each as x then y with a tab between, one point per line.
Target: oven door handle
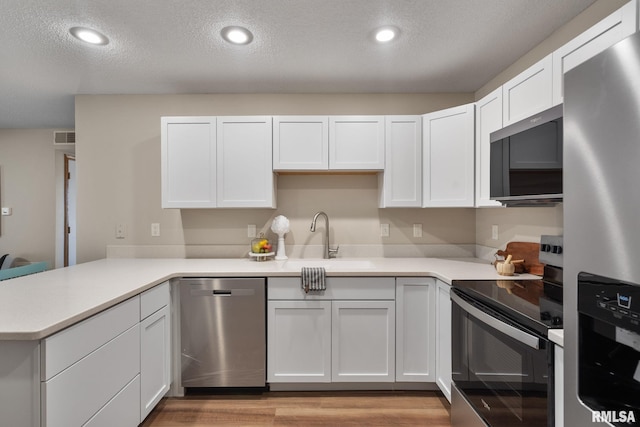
515	333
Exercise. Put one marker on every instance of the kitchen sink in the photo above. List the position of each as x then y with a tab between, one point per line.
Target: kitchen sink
330	264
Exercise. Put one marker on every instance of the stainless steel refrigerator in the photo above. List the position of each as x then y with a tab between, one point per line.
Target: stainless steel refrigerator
601	217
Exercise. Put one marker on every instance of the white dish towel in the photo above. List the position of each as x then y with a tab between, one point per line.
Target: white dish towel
313	279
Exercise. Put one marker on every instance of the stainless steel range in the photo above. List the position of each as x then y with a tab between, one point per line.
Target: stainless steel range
502	359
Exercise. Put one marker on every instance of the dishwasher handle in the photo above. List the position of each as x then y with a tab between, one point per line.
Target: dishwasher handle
222	292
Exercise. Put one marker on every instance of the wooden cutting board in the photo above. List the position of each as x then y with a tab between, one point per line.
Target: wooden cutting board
527	251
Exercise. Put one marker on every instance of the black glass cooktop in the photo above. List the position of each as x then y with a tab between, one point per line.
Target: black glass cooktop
535	303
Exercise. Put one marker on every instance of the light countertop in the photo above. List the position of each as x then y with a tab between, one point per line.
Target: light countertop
36	306
557	336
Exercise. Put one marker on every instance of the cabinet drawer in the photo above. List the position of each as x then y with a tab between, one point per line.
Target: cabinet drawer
343	288
122	410
154	299
63	349
76	394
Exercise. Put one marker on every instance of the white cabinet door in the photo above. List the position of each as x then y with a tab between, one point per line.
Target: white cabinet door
488	119
356	142
244	162
122	410
606	33
448	157
415	329
558	367
443	339
301	143
299	341
528	93
73	396
155	359
188	152
363	341
402	177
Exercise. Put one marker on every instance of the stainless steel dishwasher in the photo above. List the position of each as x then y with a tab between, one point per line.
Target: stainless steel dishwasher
223	332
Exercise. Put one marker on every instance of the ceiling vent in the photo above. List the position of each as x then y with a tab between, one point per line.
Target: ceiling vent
64	138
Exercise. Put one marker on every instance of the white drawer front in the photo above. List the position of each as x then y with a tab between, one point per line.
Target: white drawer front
153	300
122	410
76	394
338	288
65	348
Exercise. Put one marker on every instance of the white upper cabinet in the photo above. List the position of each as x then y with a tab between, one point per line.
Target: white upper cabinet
401	184
606	33
529	92
188	162
488	119
356	142
244	170
448	157
301	143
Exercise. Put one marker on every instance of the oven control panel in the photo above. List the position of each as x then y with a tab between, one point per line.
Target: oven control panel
551	250
609	300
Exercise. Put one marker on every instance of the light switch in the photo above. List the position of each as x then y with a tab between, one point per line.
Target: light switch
6	211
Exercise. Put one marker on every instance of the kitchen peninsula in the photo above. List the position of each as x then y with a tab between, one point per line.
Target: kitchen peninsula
38	310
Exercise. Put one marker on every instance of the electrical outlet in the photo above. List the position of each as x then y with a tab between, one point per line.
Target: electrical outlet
251	230
384	230
494	232
417	230
155	229
121	231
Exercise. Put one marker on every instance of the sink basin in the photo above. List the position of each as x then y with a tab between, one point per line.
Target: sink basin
329	264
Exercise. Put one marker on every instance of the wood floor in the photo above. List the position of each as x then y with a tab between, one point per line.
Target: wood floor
304	409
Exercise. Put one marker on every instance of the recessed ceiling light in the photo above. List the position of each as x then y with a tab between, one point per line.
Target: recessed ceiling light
386	34
237	35
88	35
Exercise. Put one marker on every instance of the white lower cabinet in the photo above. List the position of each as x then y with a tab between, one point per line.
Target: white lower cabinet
443	339
344	334
76	394
299	344
110	369
415	329
122	410
363	341
155	348
559	385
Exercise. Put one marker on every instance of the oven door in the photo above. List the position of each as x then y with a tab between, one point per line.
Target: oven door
502	370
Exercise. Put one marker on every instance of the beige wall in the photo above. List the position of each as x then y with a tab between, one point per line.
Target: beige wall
28	186
118	161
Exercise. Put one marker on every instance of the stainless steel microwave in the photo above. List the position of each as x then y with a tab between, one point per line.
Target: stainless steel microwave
526	161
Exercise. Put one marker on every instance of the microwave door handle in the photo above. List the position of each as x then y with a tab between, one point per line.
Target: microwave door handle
515	333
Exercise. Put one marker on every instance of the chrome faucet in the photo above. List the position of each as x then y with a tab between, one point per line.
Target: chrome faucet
328	252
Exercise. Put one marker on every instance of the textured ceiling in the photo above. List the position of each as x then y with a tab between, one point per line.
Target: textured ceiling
299	46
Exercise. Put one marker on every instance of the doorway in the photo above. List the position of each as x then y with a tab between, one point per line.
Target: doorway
69	210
